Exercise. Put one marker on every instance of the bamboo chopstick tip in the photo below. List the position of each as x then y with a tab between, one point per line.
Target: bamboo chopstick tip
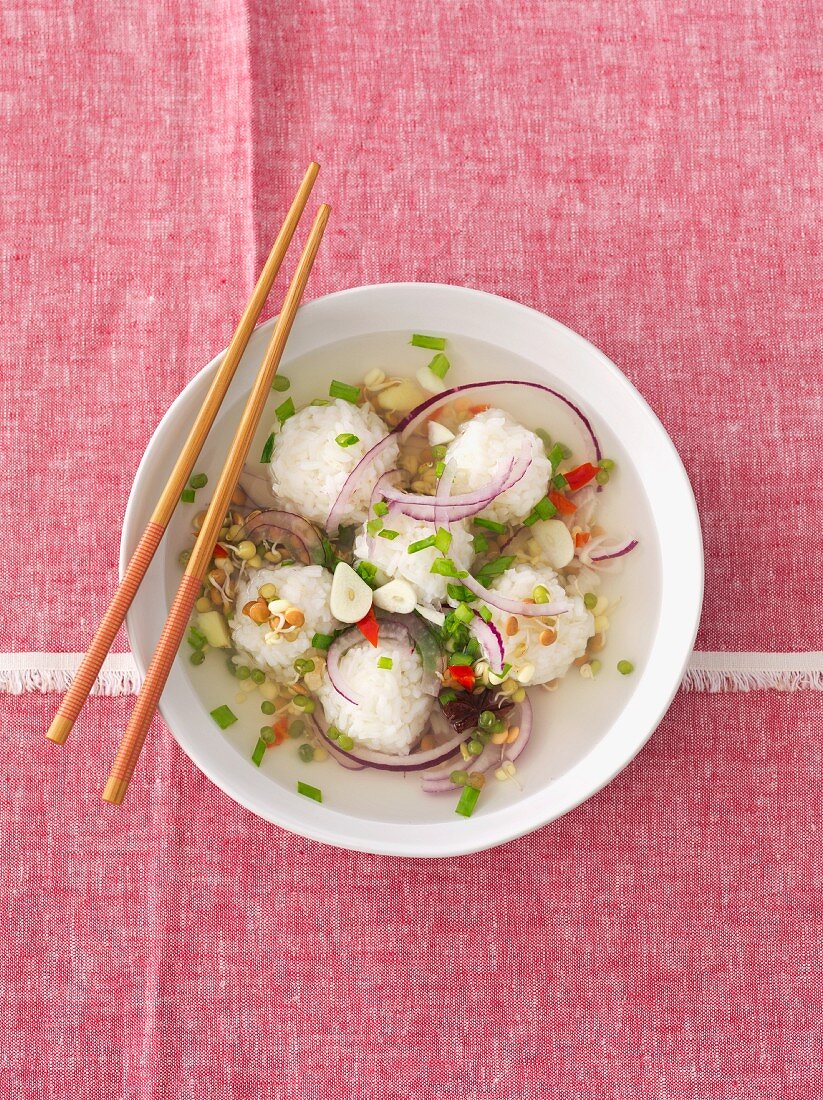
115	791
59	729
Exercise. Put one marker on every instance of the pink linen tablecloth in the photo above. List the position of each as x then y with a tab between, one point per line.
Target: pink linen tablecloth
648	173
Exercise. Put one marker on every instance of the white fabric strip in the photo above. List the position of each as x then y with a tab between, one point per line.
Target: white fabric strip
44	672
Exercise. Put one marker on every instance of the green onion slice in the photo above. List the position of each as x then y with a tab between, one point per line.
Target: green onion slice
308	791
423	544
388	534
439	366
268	447
224	716
259	752
346	439
322	641
344	390
284	411
489	524
434	343
468	801
385	662
187	496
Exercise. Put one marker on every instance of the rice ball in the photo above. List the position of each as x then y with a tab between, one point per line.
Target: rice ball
573	628
309	467
392	557
305	586
483	449
393	711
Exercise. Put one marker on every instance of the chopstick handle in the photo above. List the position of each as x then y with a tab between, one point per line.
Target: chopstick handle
133	739
71	706
101	643
132	744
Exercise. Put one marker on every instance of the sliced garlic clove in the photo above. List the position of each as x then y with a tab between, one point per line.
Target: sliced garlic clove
555	542
351	597
439	434
397	596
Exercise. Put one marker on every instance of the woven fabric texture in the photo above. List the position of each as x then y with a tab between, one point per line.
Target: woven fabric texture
646	172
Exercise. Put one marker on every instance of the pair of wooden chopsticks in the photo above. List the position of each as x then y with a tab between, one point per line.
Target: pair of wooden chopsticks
177	621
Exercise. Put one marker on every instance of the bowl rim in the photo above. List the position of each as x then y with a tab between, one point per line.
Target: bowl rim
510	822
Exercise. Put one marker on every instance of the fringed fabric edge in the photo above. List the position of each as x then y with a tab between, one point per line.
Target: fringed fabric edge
22	673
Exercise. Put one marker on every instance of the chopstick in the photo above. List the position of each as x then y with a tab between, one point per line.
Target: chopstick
132	742
112	620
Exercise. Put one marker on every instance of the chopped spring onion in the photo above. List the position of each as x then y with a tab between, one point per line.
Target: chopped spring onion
480	544
556	455
464	613
284	411
366	571
385	662
440	365
560	482
346	392
308	791
445	567
374	525
446	696
322	641
625	668
196	639
460	592
439	468
494	568
544	509
187	496
387	534
484	613
268	447
544	438
434	343
346	439
320	402
489	524
381	508
460	659
468	800
259	752
423	544
439	452
199	481
280	383
224	716
443	540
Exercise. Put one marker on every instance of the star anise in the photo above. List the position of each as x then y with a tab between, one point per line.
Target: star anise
463	712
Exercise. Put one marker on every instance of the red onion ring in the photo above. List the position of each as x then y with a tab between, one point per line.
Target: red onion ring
319	720
258	490
343	643
414	762
490	641
410	422
274	525
622	549
515	607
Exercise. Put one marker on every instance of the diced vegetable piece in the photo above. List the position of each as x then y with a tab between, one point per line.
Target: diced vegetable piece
224	716
434	343
187	496
468	801
213	625
308	791
369	626
347	392
259	752
397	596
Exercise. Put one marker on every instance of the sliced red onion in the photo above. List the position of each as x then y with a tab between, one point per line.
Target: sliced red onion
490	641
420	636
319	720
376	493
515	607
341	645
444	488
353	481
618	552
414	762
410	422
258	490
440	783
395	627
275	525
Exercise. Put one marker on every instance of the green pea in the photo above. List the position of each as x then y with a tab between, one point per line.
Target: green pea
625	668
606	464
280	383
541	594
199	481
306	753
595	666
459	778
197	657
243	672
332	733
602	477
267	707
345	742
486	719
267	733
258	676
304	703
474	748
297	729
590	601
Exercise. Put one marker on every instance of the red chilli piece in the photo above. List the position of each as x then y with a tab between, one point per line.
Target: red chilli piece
463	675
219	552
369	627
580	476
561	503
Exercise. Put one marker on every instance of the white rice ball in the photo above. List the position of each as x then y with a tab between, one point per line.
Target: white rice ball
393	712
393	557
574	628
305	586
309	468
483	449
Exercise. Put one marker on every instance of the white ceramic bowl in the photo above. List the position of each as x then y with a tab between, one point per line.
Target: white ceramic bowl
586	731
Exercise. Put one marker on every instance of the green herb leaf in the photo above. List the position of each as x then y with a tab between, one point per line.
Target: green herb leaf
284	411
